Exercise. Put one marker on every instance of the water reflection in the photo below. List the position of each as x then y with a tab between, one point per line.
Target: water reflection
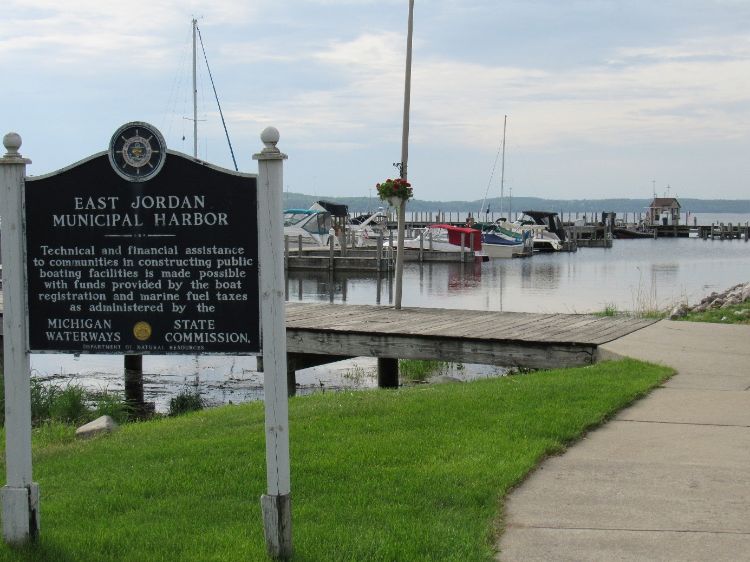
334	287
628	276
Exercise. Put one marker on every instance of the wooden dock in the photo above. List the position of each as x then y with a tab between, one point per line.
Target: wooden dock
323	333
510	339
359	259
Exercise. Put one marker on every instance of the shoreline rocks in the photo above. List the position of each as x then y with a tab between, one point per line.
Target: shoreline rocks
731	297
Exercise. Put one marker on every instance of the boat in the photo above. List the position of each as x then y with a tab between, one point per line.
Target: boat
445	238
323	219
545	228
310	227
500	242
502	239
368	228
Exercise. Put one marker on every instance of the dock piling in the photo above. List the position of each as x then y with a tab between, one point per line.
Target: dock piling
387	372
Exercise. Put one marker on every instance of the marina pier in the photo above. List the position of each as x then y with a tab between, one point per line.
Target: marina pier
324	333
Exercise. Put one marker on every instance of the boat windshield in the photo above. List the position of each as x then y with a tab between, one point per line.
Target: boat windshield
292	218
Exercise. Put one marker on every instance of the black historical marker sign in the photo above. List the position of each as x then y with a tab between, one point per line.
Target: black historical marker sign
163	265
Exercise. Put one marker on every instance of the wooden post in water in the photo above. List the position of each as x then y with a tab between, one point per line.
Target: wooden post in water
387	372
133	365
286	252
379	253
20	495
331	240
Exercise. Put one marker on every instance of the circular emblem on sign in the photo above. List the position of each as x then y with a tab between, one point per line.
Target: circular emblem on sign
142	331
137	151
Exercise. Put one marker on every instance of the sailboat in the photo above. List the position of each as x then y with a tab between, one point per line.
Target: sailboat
500	239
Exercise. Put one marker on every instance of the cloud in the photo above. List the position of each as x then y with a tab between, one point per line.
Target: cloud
50	33
652	94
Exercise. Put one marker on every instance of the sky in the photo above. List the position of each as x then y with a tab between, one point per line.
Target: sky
604	99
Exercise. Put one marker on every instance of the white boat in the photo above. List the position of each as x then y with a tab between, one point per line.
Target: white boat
368	228
503	239
546	229
311	226
503	242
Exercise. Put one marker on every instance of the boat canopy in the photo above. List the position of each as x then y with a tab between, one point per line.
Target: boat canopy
316	222
549	219
336	209
454	235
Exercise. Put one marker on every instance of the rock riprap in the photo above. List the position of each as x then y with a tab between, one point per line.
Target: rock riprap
731	297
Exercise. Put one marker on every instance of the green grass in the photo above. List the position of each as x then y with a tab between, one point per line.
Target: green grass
409	474
415	370
610	310
736	314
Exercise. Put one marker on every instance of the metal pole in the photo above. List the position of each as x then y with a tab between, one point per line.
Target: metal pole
195	98
404	160
502	168
276	504
20	496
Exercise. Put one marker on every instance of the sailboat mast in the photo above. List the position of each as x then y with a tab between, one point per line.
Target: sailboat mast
502	168
195	96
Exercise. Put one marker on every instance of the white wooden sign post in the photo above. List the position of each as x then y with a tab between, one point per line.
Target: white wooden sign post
20	496
21	227
276	504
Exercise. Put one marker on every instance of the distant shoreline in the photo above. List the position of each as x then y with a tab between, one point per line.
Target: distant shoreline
691	205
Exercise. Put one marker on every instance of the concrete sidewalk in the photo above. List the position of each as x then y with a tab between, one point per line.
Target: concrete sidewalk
667	479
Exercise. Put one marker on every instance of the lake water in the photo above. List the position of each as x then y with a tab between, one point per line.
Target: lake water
633	275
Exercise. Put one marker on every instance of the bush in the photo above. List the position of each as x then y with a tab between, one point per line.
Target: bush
188	400
73	404
108	404
419	370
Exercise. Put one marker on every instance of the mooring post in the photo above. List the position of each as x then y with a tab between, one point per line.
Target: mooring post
387	372
286	252
421	248
133	365
291	375
331	240
276	504
379	252
20	495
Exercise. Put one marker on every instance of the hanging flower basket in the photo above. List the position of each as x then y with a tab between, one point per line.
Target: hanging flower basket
395	191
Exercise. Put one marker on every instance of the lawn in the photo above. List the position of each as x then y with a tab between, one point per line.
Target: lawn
735	314
409	474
